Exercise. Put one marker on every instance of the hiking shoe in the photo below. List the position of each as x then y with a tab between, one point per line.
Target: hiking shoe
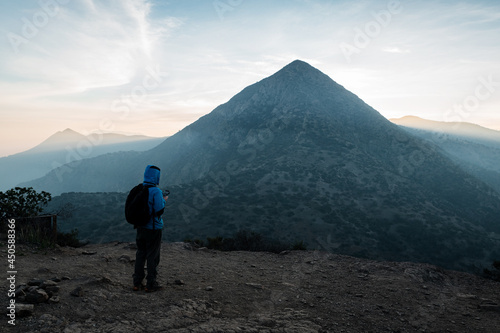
153	288
137	288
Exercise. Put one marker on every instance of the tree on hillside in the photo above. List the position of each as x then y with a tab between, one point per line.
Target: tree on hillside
493	274
22	202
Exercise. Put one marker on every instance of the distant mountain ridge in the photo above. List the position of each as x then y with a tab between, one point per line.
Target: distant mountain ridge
57	141
477	133
64	147
474	148
297	156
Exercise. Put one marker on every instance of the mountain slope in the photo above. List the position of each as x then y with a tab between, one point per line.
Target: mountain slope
298	157
64	147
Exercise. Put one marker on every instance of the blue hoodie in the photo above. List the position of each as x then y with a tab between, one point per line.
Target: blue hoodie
156	201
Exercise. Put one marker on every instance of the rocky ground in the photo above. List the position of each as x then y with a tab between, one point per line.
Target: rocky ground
89	289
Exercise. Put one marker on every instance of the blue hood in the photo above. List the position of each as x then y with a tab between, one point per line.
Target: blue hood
152	175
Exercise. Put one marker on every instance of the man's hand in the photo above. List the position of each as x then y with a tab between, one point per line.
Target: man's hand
165	194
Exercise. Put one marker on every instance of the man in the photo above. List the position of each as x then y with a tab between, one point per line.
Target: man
149	236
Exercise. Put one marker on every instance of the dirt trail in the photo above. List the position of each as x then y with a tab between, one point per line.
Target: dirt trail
211	291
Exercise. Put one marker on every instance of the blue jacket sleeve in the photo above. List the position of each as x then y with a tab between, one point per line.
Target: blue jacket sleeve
158	201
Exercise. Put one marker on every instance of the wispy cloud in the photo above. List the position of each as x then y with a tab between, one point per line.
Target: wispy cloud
99	44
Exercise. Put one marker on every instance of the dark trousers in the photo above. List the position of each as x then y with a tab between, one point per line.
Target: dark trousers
148	250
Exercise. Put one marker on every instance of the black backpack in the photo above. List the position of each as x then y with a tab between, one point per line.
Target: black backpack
137	206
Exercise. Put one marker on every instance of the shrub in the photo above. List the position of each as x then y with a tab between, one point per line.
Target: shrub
68	238
493	274
34	234
251	241
215	243
195	242
299	246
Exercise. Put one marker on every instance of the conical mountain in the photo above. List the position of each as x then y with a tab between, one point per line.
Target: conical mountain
298	157
291	100
299	106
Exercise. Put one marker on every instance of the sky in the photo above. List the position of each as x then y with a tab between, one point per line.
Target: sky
153	67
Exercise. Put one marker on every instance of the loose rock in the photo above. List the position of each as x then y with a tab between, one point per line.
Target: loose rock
24	310
54	299
35	282
78	292
37	296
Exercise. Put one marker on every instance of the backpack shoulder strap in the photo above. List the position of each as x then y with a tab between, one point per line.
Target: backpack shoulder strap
152	208
148	186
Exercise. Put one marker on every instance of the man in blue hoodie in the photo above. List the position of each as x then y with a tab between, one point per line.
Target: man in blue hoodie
149	236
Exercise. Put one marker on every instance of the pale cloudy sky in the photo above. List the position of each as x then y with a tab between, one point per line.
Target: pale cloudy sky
154	66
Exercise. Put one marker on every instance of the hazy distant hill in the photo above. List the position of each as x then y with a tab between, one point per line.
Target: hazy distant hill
472	132
298	157
64	147
476	149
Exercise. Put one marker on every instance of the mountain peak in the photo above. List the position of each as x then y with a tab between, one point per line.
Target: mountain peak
297	92
68	131
59	136
298	68
299	65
